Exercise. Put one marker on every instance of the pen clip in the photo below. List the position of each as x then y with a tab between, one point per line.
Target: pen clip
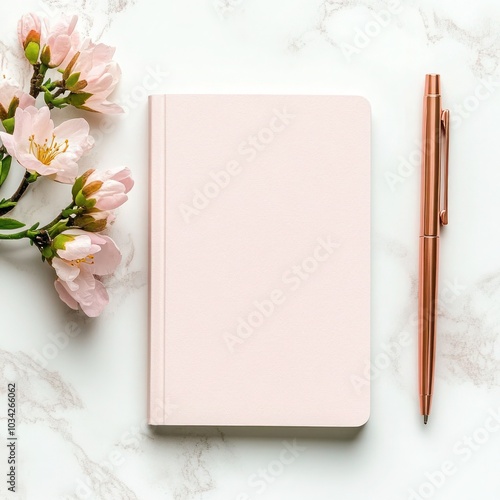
445	125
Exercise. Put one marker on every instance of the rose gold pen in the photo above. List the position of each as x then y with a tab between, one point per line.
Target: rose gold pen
433	214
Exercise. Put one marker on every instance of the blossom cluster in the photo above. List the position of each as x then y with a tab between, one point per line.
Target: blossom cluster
68	70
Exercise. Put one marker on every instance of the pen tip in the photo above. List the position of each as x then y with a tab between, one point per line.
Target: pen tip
426	417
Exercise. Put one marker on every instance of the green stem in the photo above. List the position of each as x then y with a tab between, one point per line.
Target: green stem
53	100
49	86
58	103
19	236
59	218
31	233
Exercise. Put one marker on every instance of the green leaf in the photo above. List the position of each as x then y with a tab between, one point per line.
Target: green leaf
7	203
78	100
59	241
72	80
83	202
10	223
9	125
5	168
48	253
80	182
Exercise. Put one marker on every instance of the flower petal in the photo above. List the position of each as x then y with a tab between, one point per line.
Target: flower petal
64	270
76	131
108	259
9	143
42	125
95	302
65	295
79	248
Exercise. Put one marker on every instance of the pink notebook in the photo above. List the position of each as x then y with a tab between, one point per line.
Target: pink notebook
259	260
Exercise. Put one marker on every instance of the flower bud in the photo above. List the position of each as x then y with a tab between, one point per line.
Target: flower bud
11	98
85	257
60	241
29	31
91	75
94	220
102	190
60	38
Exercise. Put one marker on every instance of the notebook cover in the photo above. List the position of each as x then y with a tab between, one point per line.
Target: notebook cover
259	260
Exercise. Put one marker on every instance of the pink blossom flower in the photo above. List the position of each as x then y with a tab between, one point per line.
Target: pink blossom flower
57	40
91	75
12	97
47	150
80	257
103	190
29	29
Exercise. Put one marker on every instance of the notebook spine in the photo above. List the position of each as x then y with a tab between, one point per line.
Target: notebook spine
157	251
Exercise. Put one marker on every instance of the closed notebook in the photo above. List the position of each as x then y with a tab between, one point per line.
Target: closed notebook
259	260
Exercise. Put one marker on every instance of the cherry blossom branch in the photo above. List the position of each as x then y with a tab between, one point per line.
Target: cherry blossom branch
54	227
37	79
15	236
85	76
63	215
8	204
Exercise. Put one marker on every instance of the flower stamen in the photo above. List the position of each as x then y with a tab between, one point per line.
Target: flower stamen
87	260
46	152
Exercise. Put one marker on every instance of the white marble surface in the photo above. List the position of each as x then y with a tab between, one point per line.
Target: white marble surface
82	431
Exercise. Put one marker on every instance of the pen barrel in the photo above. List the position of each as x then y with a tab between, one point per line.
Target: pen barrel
427	313
431	166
